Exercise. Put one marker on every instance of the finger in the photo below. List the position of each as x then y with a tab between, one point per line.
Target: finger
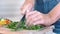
36	17
31	14
34	13
35	20
38	22
28	21
31	18
28	18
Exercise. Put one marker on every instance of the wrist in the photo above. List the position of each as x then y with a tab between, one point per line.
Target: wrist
47	20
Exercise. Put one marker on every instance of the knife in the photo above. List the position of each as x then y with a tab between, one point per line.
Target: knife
18	25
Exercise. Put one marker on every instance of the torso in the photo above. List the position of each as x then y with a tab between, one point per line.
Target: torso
45	6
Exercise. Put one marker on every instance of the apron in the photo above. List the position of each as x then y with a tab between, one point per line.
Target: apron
44	6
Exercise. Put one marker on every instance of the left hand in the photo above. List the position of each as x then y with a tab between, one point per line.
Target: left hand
34	18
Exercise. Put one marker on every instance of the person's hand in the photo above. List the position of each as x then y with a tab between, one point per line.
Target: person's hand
36	18
26	7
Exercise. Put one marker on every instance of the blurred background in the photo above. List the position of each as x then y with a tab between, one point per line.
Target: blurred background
11	9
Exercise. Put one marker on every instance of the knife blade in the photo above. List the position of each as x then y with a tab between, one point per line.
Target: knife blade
18	24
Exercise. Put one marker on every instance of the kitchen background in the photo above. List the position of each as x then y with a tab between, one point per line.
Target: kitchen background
11	9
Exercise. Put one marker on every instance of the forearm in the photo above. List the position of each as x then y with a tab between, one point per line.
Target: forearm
54	14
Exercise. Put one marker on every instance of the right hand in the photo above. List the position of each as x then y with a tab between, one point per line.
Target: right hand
26	7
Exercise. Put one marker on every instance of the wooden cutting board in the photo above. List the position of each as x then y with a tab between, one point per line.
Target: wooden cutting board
7	31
